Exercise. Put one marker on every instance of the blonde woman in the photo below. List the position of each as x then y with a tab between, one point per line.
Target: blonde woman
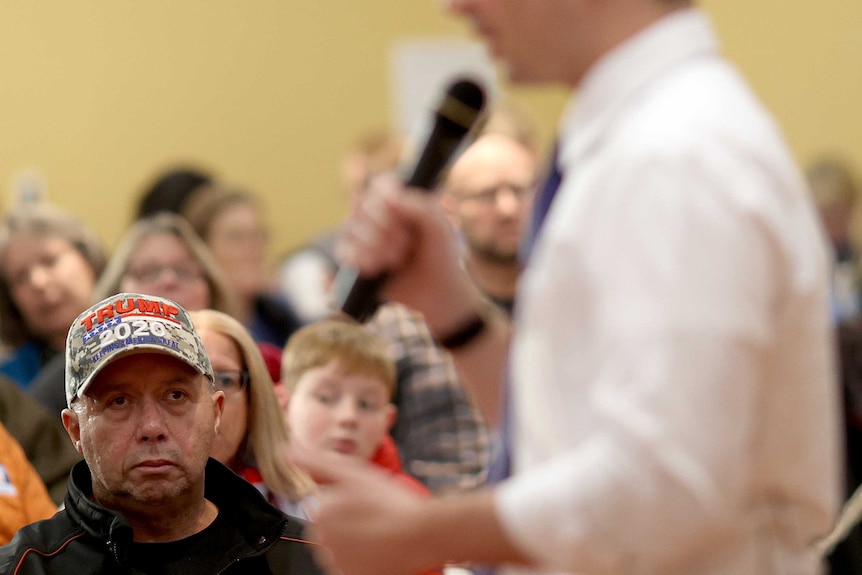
252	427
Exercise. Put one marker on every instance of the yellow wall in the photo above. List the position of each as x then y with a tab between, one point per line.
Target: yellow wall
99	94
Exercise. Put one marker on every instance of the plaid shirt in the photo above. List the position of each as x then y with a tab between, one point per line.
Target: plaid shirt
439	432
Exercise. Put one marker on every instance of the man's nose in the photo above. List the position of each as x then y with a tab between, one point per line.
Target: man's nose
151	421
510	200
507	200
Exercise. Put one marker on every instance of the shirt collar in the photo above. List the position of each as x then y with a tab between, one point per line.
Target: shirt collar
621	73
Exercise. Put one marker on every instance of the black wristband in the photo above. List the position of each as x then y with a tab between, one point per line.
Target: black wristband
464	333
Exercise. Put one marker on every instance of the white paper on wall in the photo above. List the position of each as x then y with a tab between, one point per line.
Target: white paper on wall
422	69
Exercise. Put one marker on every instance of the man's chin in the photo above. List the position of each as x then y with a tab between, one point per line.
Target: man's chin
521	75
143	497
157	492
499	257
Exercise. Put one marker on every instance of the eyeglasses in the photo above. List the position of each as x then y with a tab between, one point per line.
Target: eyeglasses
231	380
491	196
152	272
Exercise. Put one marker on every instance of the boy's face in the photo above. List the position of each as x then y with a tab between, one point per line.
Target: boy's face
330	410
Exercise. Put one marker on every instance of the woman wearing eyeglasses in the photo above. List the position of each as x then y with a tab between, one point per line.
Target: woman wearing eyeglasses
252	427
162	255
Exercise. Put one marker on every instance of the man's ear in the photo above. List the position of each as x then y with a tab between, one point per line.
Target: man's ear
73	427
218	407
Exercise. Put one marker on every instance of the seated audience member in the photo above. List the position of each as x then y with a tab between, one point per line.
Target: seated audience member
844	545
488	196
144	413
23	498
159	255
41	436
232	225
252	429
337	385
836	194
169	190
49	262
162	255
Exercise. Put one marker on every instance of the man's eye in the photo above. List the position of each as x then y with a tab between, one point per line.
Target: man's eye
119	401
177	394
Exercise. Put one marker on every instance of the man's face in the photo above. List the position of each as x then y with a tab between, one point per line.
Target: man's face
145	427
489	195
523	34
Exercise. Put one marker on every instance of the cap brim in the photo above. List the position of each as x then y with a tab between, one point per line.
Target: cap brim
113	356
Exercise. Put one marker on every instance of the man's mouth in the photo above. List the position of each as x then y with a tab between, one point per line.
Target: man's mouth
154	465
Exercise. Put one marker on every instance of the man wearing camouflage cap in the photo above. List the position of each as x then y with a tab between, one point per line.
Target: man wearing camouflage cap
143	412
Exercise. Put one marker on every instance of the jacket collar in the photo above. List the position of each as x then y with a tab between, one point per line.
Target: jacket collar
245	507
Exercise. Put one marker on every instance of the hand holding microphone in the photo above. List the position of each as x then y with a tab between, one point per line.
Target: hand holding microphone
457	113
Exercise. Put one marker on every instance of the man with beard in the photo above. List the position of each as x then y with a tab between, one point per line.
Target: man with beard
488	196
143	411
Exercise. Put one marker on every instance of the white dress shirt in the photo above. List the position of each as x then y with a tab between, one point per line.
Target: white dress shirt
675	399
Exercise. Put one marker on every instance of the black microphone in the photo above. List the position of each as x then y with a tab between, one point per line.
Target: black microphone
458	111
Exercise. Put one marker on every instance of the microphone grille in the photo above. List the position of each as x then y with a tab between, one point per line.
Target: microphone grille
462	103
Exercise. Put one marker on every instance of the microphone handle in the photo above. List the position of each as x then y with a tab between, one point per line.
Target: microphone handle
454	118
360	292
360	301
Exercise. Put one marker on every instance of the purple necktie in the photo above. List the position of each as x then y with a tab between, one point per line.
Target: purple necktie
542	204
500	466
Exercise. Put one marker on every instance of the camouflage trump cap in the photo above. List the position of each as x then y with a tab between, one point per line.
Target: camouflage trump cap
129	323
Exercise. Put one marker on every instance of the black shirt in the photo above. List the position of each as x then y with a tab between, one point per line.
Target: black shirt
193	554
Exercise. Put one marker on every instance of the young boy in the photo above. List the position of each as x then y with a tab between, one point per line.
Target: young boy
337	383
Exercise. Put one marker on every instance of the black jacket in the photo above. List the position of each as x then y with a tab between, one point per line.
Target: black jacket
88	538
